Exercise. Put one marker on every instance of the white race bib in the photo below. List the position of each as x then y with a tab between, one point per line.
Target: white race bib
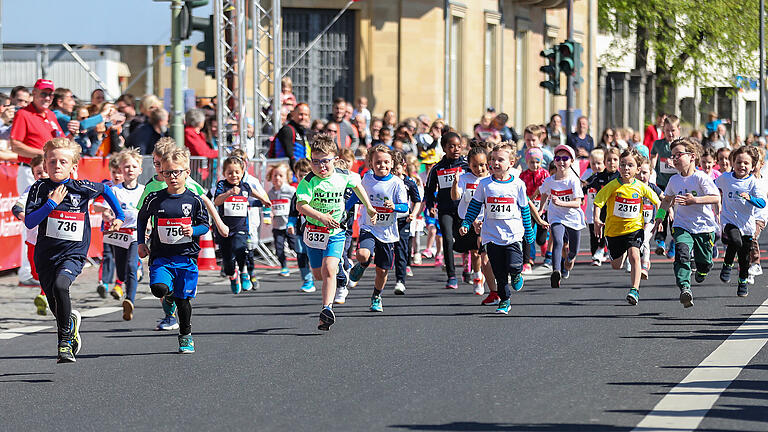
384	217
648	213
280	207
65	225
469	192
666	166
499	207
236	206
316	237
445	177
170	231
627	208
564	195
591	194
122	238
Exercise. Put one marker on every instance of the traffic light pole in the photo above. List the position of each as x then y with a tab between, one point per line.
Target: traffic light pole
569	77
177	71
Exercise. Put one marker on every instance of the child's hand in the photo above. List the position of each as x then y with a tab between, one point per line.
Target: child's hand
234	191
433	212
266	202
143	251
115	225
463	231
372	214
545	225
108	216
58	194
686	199
556	201
478	225
328	221
388	204
657	224
759	225
187	230
744	195
290	230
599	229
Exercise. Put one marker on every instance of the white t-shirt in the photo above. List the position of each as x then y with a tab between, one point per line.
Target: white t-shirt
567	189
589	211
696	218
502	224
467	186
129	200
735	209
379	191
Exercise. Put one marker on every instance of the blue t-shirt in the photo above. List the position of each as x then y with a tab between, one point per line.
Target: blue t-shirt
575	142
234	211
169	212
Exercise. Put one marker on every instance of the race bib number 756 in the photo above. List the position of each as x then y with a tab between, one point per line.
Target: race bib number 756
170	231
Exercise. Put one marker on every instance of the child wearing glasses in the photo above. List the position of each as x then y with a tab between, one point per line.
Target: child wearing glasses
320	198
693	194
231	199
178	219
562	192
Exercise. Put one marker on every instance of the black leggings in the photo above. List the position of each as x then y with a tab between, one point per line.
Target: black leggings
233	251
402	257
280	235
183	307
594	242
60	304
506	261
541	239
449	225
737	244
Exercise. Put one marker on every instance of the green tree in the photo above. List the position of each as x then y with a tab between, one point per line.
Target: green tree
684	39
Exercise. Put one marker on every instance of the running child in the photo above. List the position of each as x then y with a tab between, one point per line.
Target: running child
562	192
231	198
345	161
624	223
742	197
107	267
178	218
404	223
664	168
388	196
649	214
417	224
534	177
507	220
604	174
693	194
440	181
280	195
58	206
320	198
295	227
708	161
124	242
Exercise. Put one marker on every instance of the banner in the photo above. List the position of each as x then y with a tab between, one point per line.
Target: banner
10	227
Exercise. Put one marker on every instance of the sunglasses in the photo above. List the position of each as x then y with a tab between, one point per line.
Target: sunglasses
562	158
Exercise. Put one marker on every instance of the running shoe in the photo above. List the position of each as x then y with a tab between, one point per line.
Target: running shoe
416	259
554	279
308	286
140	272
527	269
597	263
725	273
700	276
491	300
42	305
518	282
479	288
743	289
31	282
466	276
127	310
452	283
751	280
399	288
234	285
77	342
565	273
671	251
715	251
686	297
755	269
547	263
427	253
341	295
356	273
167	323
408	271
660	247
504	307
376	305
245	281
327	318
186	344
439	261
644	272
633	296
65	354
102	290
284	272
117	291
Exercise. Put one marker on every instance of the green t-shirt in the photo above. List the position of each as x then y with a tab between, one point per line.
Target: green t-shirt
156	185
664	168
326	195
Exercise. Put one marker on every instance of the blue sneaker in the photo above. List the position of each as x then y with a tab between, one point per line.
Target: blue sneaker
186	344
167	323
743	289
660	247
633	297
518	282
725	273
547	263
284	272
356	273
376	305
327	318
504	307
565	273
234	284
671	251
452	283
245	281
308	286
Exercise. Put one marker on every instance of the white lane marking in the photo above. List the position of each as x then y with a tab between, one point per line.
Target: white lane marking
12	333
686	405
90	313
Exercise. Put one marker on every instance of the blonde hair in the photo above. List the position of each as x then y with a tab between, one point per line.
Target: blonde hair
283	166
612	151
597	153
378	148
178	156
63	143
129	153
163	146
148	103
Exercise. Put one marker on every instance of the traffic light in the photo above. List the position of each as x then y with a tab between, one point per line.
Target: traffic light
552	69
206	46
188	22
570	60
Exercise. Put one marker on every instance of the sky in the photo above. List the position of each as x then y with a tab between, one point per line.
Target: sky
95	22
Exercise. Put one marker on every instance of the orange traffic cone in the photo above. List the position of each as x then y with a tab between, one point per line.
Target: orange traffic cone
207	258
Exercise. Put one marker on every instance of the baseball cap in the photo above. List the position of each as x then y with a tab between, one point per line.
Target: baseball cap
44	84
567	148
534	152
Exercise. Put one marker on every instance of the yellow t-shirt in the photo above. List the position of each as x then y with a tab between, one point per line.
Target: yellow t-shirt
624	206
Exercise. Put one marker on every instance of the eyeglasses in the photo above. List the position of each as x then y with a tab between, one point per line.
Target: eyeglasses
319	162
675	156
609	135
562	158
172	173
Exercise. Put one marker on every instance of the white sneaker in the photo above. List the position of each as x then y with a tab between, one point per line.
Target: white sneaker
597	263
341	295
751	279
399	288
755	269
352	283
479	288
628	267
416	259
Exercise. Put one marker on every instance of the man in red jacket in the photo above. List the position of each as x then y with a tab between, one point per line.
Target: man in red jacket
653	132
194	139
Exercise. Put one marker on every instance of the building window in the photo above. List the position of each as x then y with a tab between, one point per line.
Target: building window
456	39
490	72
521	77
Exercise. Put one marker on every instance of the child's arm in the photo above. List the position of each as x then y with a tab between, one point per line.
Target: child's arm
141	231
220	196
360	192
576	203
536	216
261	196
455	191
325	218
543	203
117	209
221	227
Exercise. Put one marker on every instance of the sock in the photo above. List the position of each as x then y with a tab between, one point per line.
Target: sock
548	255
376	293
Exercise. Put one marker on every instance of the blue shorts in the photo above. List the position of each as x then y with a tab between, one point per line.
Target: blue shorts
383	253
334	249
179	273
429	220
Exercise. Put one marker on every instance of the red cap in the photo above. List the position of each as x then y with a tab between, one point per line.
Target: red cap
44	84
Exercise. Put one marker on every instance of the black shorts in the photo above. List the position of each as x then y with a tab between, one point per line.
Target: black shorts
618	246
383	253
466	243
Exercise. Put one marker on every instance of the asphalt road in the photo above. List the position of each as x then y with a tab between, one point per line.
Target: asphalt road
575	358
